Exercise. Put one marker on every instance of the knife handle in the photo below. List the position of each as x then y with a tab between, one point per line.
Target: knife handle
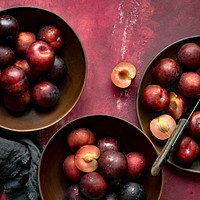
165	153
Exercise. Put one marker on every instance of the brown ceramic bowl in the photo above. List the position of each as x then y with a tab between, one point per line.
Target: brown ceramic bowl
144	116
52	182
33	19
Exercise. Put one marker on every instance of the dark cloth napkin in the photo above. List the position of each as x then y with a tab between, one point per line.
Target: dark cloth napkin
19	159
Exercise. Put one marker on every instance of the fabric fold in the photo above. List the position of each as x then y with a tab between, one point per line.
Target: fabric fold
19	159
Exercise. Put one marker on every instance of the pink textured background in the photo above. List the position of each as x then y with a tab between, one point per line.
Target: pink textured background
123	30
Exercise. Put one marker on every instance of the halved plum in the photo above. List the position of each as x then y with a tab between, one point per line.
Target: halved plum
162	126
86	158
177	105
123	74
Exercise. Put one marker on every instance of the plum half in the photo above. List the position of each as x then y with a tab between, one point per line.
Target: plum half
162	126
86	158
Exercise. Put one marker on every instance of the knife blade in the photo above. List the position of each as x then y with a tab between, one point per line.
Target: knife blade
167	149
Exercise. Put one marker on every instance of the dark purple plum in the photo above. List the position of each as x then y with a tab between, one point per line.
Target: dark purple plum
9	27
7	56
132	190
18	103
105	144
51	35
45	94
14	80
112	164
93	186
166	72
189	56
111	196
73	193
58	71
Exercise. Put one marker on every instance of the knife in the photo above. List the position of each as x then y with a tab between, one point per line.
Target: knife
167	149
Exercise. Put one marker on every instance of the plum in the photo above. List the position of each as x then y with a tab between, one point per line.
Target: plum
110	196
80	137
189	56
18	103
105	144
93	185
155	98
132	190
23	41
186	150
189	84
86	158
9	28
40	56
7	56
136	164
72	173
32	74
166	72
51	35
58	70
73	193
45	94
112	164
194	124
14	80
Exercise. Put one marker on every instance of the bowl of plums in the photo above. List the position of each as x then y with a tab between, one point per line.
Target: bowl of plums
167	93
99	157
43	68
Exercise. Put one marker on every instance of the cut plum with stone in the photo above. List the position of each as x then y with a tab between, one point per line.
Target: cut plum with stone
123	74
166	72
177	106
93	186
162	126
136	165
71	171
155	98
80	137
105	144
86	158
112	164
132	190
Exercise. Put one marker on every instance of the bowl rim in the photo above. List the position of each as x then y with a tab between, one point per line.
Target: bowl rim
89	116
85	61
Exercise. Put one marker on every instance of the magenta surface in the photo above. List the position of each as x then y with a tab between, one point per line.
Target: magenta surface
112	31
